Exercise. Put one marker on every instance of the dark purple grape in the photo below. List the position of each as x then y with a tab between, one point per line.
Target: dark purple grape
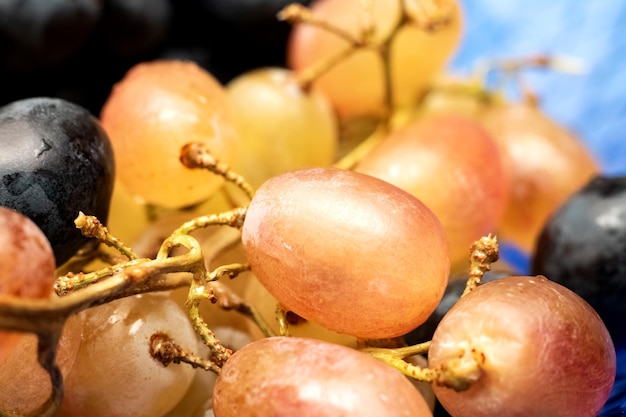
583	247
55	160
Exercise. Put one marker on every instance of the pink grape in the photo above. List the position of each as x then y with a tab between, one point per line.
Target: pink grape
292	376
546	351
348	251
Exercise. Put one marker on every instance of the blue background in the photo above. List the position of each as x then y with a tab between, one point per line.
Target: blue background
592	104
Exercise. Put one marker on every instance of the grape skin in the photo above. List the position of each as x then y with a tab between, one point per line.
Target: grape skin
350	252
355	86
156	109
281	126
108	380
546	164
27	266
292	376
55	161
546	351
452	165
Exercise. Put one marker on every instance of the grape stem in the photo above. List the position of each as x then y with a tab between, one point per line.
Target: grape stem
196	155
460	372
283	323
165	350
425	14
482	254
91	227
77	292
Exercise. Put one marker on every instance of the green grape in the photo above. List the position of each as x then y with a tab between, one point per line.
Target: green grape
281	126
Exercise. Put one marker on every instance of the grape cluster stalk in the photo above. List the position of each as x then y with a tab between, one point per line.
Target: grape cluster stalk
80	291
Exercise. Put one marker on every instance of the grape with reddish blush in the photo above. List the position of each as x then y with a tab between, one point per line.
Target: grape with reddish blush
348	251
292	376
151	113
541	350
26	266
545	162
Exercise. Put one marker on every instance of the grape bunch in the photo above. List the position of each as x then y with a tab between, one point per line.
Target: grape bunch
318	236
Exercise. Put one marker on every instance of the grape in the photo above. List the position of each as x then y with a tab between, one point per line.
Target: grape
582	247
152	112
114	374
26	266
546	164
352	253
281	126
546	351
27	385
306	377
256	295
55	161
355	86
454	167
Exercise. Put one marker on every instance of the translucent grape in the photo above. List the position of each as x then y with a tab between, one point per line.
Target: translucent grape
281	126
114	374
152	112
350	252
355	86
310	378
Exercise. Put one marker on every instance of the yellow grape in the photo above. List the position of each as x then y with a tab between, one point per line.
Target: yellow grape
356	85
281	126
151	113
128	216
546	163
114	374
